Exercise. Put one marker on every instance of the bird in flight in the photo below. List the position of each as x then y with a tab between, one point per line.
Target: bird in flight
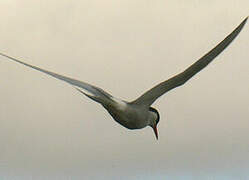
138	114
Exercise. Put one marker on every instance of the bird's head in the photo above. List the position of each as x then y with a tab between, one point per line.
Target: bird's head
154	120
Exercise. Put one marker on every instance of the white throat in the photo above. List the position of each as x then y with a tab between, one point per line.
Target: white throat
152	118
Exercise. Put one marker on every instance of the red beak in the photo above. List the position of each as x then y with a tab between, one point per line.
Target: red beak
155	131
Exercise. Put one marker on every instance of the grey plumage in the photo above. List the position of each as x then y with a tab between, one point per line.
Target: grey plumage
151	95
138	113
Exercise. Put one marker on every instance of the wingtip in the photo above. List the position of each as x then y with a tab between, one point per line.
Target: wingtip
246	18
244	21
238	29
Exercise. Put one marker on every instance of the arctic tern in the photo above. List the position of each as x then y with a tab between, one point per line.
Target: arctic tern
138	114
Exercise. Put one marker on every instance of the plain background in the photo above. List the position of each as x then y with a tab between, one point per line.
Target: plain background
48	130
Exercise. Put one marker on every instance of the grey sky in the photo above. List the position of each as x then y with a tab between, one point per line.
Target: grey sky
48	130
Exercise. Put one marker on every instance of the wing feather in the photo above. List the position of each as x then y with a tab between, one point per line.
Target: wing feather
96	93
151	95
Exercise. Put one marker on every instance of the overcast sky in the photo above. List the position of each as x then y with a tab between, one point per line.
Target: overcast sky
50	131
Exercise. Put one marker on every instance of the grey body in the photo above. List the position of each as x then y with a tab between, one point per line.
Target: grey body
131	115
138	113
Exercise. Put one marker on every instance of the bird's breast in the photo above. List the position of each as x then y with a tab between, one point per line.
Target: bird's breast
127	115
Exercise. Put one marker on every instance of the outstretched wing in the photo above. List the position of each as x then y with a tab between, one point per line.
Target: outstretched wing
151	95
90	91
